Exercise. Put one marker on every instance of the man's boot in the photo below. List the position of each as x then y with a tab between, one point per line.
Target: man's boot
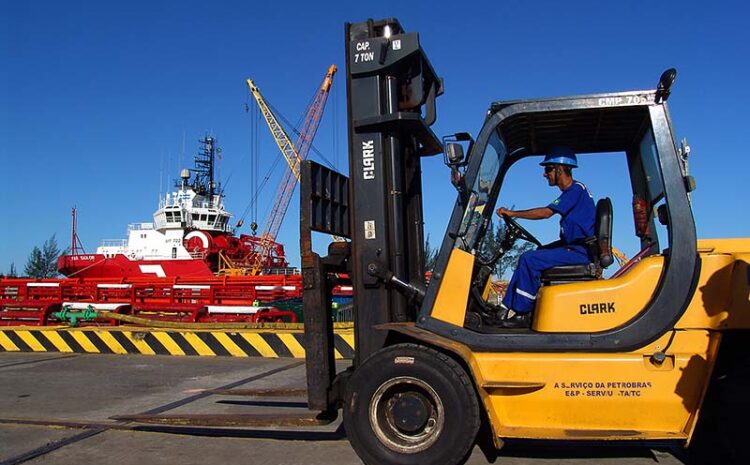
516	320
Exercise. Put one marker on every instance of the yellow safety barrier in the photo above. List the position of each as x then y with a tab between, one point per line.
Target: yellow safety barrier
261	342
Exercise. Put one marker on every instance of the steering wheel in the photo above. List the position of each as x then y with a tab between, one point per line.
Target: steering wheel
519	231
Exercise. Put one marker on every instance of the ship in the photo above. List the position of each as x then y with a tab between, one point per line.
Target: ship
190	237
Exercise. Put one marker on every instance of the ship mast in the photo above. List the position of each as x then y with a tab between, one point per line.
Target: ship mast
204	183
76	248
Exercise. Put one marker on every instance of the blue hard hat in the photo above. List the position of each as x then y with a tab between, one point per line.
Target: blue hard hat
560	156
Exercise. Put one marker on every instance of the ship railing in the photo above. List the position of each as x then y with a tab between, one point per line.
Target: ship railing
114	243
344	313
200	254
202	202
281	271
140	226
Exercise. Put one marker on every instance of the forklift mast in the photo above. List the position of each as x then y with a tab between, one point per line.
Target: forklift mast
388	81
391	91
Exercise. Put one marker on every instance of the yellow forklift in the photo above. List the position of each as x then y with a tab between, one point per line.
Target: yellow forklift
651	353
625	358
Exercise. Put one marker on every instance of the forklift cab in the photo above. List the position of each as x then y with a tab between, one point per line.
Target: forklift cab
576	308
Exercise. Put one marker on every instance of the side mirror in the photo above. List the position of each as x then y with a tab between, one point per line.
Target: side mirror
454	154
454	158
453	148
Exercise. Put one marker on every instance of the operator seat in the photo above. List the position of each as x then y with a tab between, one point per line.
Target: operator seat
599	248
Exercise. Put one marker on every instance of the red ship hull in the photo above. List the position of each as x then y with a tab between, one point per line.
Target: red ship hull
120	266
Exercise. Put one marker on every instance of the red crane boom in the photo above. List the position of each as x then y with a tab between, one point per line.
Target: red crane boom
294	155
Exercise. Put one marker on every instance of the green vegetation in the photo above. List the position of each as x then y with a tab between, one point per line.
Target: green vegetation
490	246
43	263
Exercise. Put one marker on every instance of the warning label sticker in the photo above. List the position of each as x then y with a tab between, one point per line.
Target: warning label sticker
370	229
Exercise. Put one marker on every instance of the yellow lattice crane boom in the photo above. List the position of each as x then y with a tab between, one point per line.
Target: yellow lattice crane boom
293	153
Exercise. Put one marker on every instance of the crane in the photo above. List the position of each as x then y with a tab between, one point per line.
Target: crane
293	153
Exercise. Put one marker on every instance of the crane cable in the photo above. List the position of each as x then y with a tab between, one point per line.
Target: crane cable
255	156
254	169
297	133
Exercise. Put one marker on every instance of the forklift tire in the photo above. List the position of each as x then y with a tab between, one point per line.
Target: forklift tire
410	404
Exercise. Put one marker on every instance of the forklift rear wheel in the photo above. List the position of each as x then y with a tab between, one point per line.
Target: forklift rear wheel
409	404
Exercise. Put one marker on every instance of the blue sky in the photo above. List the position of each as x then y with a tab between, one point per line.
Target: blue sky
96	98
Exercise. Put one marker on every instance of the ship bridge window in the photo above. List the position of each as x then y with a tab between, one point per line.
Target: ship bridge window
174	217
196	217
211	219
203	217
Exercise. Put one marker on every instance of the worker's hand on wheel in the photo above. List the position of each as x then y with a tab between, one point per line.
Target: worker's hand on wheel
503	211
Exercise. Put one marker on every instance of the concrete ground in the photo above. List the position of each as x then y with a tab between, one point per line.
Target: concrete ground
57	409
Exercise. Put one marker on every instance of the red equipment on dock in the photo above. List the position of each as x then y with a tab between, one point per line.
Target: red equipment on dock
195	300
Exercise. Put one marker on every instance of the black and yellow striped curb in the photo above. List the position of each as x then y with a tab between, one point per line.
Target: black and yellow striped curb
149	341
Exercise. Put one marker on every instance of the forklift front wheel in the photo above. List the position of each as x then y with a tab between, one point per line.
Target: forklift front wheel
410	404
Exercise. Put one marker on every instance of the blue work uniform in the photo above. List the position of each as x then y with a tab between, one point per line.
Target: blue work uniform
578	213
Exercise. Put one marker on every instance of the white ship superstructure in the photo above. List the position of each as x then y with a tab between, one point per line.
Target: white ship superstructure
182	215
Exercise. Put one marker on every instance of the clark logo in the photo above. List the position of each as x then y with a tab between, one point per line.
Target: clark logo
601	307
368	159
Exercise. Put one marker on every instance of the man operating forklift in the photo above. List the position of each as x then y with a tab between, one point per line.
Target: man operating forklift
577	211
